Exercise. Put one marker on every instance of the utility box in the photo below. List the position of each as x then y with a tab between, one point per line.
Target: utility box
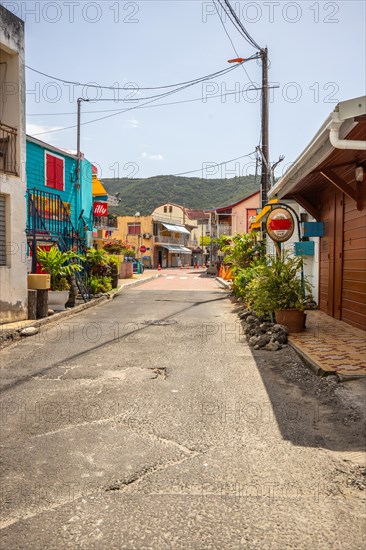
304	248
312	229
39	281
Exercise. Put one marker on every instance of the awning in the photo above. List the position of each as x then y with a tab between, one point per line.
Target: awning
176	228
265	210
176	249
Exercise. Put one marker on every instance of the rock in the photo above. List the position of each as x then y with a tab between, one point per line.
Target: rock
50	312
279	328
29	331
280	337
265	326
273	346
256	347
251	320
245	314
263	340
253	340
264	319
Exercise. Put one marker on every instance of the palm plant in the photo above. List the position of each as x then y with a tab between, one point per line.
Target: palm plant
59	265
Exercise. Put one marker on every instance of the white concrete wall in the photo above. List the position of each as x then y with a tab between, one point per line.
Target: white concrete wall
13	276
311	263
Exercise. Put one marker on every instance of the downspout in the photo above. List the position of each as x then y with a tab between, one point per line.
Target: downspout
354	145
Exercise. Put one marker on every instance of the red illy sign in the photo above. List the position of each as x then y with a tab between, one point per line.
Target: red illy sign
142	248
100	209
280	225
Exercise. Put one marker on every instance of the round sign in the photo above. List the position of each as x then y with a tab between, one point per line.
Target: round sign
280	225
142	248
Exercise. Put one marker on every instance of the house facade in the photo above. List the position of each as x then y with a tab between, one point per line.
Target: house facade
104	224
172	228
13	266
59	203
235	218
328	182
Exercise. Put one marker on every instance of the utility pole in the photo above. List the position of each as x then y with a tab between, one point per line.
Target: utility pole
265	179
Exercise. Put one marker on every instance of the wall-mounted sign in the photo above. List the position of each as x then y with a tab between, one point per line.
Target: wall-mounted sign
142	248
100	209
280	225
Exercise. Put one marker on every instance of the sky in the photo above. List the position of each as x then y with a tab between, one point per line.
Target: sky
317	58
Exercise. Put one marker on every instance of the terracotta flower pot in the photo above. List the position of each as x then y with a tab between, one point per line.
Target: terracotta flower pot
126	270
293	319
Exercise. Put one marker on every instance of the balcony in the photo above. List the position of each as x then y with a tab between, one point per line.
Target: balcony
8	149
223	229
170	240
109	224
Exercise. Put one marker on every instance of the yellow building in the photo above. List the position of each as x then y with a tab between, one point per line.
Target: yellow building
138	232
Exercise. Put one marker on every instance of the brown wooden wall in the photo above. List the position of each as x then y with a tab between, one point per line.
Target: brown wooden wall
354	266
342	274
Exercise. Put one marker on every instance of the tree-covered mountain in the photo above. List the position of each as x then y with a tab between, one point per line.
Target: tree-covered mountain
144	194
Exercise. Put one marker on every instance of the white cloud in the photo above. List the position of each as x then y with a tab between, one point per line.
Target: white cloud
33	129
152	157
132	123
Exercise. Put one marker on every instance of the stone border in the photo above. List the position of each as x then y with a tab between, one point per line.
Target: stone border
69	312
223	283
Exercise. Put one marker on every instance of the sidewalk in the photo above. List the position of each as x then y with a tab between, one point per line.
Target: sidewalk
331	346
9	332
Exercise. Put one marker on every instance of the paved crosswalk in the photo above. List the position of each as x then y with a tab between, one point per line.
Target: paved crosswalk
182	277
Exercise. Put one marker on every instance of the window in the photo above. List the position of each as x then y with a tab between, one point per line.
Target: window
134	228
54	171
2	231
170	209
165	209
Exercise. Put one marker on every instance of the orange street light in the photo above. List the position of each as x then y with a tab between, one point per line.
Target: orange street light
236	60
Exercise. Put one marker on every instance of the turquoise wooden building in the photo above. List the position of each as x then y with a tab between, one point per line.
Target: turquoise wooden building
59	203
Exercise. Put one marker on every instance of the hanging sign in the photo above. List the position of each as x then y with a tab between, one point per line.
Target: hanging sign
100	209
280	225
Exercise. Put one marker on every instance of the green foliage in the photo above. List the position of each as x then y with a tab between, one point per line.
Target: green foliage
98	261
278	285
146	194
59	265
205	241
96	257
113	261
242	278
100	284
243	251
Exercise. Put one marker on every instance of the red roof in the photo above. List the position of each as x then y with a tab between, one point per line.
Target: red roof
229	206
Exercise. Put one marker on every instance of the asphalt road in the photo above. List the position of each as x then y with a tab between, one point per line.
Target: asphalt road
146	422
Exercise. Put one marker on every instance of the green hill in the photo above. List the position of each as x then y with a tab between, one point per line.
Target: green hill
144	194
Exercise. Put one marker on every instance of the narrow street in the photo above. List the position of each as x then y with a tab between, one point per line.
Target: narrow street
147	422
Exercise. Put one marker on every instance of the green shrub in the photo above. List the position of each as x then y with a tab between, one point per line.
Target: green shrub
100	284
279	285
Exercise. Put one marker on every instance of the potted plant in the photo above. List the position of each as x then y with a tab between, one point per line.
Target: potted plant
280	287
59	265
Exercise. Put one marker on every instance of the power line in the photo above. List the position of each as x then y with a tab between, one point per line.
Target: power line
112	88
239	24
111	115
231	41
149	106
219	164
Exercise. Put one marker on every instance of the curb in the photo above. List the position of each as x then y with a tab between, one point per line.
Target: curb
319	370
69	312
223	283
